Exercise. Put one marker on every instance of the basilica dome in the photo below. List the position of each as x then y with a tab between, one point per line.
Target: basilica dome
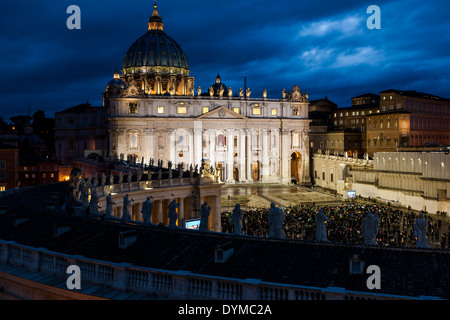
155	53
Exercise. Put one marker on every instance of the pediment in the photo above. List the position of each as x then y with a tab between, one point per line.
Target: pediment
221	113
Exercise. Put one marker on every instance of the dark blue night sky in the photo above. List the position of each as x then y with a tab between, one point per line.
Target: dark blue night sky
323	46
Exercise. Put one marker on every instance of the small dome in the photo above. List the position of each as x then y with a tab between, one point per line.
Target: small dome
116	84
218	85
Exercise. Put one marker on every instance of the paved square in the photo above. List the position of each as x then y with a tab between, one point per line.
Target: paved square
261	195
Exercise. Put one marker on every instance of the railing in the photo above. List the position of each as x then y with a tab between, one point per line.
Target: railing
169	284
143	185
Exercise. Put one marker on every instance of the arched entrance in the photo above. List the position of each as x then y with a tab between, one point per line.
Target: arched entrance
296	163
255	170
236	174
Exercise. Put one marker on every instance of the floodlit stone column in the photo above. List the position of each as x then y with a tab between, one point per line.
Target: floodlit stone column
181	212
159	204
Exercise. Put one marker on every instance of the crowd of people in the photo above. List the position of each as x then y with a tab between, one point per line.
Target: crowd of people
343	224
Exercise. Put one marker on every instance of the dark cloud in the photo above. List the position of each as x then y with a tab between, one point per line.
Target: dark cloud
323	46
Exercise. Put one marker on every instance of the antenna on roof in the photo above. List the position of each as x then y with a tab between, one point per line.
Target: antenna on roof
245	86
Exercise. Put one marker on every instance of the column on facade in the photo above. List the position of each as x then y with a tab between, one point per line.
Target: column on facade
121	142
149	144
197	150
158	84
183	86
265	155
212	146
230	155
248	134
172	144
191	145
285	155
306	168
241	155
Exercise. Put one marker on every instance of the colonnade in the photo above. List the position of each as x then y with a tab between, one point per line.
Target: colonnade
188	201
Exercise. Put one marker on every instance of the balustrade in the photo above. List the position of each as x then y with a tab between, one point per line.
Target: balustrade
162	283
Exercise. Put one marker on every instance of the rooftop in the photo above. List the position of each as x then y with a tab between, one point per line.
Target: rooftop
404	271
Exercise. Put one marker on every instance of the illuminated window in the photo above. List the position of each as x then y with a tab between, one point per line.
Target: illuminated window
52	175
205	109
2	188
133	141
182	110
256	111
181	140
274	112
236	110
160	110
132	107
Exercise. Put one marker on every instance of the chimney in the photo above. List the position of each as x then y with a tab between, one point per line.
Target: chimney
60	228
127	238
223	252
19	219
356	265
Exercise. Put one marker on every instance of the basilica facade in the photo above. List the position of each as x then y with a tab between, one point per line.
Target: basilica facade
154	111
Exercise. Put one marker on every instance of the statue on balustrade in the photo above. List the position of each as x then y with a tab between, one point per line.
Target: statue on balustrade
236	219
126	216
109	206
88	180
129	176
420	231
93	203
139	176
147	209
321	230
173	215
95	183
276	218
85	197
205	211
74	196
103	180
370	229
120	177
111	178
159	174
